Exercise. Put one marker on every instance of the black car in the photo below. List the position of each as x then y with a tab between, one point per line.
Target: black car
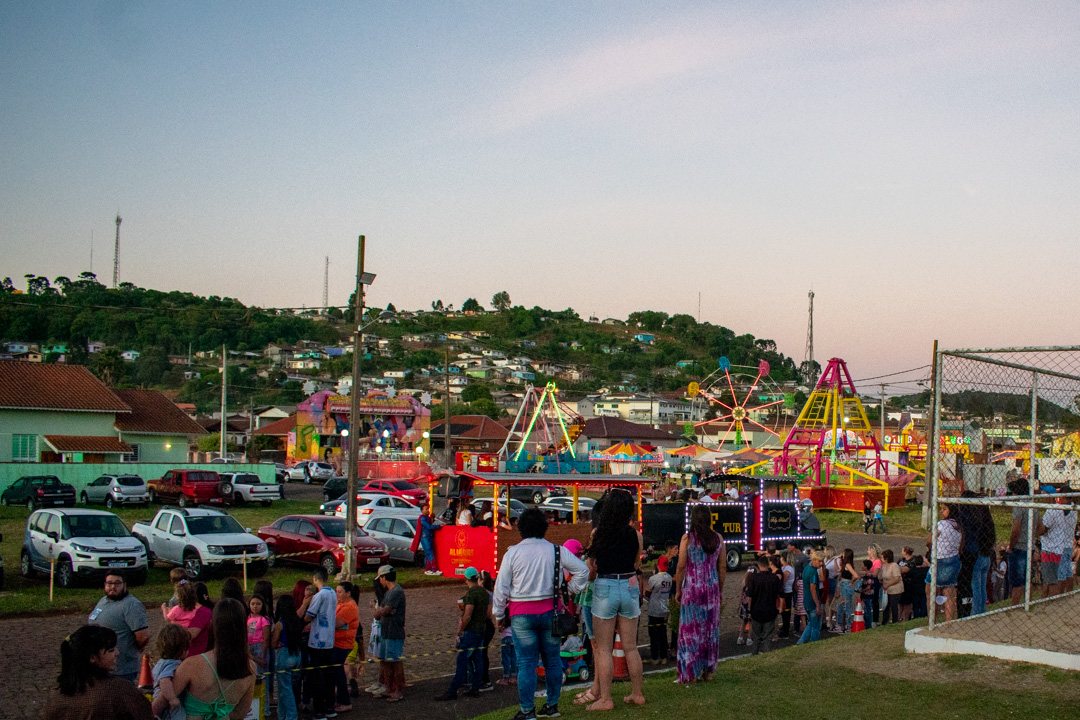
35	491
530	494
334	488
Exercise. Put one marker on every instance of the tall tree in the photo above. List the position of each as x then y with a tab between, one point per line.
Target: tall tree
501	301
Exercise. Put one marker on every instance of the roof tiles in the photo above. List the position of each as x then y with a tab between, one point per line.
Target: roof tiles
55	387
152	412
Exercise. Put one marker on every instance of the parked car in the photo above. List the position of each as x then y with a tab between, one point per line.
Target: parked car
200	540
534	494
248	487
400	488
567	503
308	470
116	490
335	487
516	507
36	491
319	541
190	487
83	544
368	503
397	534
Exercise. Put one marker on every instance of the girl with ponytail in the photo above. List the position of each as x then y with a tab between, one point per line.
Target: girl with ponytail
85	688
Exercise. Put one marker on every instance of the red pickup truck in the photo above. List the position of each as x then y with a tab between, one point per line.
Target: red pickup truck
190	487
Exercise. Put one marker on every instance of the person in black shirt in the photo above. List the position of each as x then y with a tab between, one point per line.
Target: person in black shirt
764	591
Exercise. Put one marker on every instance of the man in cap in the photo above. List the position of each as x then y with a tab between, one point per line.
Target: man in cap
470	631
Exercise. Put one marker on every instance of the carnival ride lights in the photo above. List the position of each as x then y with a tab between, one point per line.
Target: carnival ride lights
554	426
738	412
832	422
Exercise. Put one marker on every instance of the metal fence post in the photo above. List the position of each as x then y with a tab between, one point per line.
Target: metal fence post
935	451
1030	547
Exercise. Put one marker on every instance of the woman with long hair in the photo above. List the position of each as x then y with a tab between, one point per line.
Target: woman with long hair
614	558
220	682
286	639
873	554
849	576
230	588
202	596
85	689
949	537
699	587
892	581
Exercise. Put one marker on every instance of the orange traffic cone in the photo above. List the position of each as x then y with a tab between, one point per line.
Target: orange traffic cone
619	658
146	677
859	623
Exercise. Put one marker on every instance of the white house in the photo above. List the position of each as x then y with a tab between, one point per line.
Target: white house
130	355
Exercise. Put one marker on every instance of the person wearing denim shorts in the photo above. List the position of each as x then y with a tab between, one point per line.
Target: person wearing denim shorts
949	536
616	602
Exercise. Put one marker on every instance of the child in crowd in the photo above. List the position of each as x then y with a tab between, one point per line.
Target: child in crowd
509	655
171	647
658	592
744	611
868	590
259	626
176	576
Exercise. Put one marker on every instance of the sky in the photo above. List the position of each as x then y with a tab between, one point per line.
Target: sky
915	164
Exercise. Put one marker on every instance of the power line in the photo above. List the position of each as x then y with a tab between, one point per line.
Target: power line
901	372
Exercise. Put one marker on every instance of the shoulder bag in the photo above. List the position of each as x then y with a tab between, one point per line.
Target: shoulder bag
563	622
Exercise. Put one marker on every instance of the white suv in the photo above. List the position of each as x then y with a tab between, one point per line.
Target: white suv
247	487
368	504
199	540
82	543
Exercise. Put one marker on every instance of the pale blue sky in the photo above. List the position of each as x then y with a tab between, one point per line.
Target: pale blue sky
917	164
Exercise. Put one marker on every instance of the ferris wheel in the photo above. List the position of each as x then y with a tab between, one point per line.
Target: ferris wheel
737	391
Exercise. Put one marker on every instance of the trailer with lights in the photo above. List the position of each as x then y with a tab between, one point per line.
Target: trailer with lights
458	547
767	510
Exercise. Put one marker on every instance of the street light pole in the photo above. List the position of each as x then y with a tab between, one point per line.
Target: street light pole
446	411
354	413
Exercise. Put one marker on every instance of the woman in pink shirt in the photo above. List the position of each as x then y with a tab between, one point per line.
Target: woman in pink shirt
191	615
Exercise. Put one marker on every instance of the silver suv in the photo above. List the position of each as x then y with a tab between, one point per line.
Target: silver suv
116	490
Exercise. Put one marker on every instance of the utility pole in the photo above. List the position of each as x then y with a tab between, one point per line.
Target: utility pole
882	414
116	254
446	411
224	381
326	287
349	566
808	357
930	479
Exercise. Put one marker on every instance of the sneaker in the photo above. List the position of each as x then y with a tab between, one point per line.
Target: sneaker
740	641
428	572
372	687
548	711
436	572
379	691
487	687
446	696
531	715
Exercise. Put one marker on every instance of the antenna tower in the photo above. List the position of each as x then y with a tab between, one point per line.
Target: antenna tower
808	357
116	254
326	286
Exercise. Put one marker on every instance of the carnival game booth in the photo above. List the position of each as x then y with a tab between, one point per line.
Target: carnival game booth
768	509
458	547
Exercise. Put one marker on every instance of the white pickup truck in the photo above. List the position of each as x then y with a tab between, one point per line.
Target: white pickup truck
200	540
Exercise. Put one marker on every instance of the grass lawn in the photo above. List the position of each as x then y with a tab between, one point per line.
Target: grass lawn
22	596
903	521
866	675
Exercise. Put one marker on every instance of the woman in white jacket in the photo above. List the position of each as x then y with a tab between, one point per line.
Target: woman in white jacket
525	592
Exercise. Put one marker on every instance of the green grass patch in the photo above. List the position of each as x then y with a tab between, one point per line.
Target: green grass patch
906	520
22	596
959	662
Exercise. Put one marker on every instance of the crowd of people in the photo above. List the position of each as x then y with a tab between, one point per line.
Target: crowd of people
301	650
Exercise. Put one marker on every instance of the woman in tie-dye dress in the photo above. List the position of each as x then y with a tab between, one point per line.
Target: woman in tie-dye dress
699	591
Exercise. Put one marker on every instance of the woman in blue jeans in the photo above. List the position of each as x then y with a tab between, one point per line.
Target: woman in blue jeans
845	611
615	557
286	639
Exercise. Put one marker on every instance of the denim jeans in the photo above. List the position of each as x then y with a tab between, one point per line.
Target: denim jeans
845	611
468	661
509	658
286	663
533	640
341	683
813	628
878	522
978	585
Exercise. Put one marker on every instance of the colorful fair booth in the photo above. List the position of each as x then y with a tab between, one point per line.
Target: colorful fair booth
458	547
394	434
627	458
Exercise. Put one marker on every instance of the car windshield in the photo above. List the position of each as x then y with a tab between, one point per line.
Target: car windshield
129	480
213	525
335	528
93	526
518	505
48	482
403	485
246	479
202	477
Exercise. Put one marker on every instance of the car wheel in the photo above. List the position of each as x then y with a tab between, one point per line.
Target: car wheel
85	500
25	566
734	558
271	557
419	558
538	497
238	500
183	501
584	675
150	559
109	502
65	574
30	504
193	565
327	561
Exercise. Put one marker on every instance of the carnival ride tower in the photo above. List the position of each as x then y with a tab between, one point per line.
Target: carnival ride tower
832	426
542	422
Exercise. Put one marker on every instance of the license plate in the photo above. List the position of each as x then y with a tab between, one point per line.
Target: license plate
373	561
117	563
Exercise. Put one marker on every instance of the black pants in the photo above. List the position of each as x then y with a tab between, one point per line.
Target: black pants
320	679
489	633
789	602
341	684
891	612
658	645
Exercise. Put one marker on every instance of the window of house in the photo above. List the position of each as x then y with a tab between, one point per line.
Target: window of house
24	448
131	457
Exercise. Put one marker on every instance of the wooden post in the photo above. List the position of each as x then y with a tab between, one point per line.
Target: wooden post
52	575
574	514
244	561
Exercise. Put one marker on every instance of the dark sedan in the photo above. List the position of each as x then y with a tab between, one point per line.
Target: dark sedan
36	491
318	540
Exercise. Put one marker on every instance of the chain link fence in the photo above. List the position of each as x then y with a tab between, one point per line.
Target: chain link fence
1005	491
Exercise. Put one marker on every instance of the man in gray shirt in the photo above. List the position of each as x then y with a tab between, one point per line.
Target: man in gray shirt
125	616
1019	547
